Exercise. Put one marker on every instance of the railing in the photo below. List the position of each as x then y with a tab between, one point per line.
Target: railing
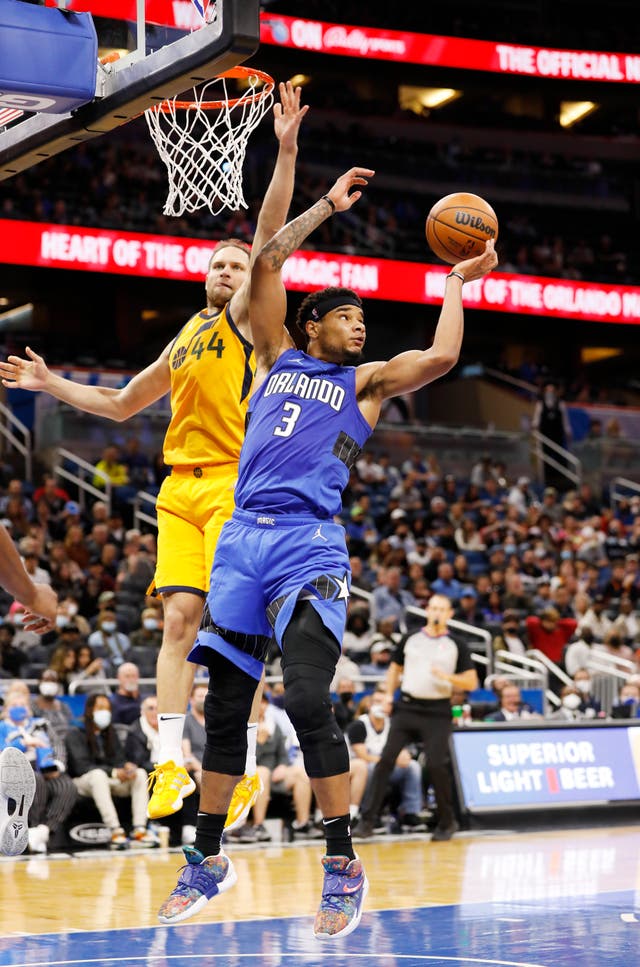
141	516
525	670
608	674
84	487
541	444
8	425
619	490
529	389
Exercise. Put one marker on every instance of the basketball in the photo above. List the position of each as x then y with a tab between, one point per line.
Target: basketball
458	226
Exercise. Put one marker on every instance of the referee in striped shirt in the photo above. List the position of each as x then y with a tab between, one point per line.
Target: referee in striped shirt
427	665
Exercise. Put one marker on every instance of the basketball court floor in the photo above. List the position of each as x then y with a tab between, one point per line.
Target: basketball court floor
563	898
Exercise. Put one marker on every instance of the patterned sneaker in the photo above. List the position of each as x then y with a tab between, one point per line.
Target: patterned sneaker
343	892
118	839
199	881
244	797
171	784
17	787
144	837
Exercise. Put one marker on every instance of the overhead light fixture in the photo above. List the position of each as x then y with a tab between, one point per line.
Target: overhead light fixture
595	354
4	301
299	80
573	111
417	99
19	318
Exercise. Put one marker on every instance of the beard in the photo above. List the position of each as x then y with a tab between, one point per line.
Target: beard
351	358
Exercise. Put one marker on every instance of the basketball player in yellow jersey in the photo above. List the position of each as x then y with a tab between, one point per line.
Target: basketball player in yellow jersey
208	371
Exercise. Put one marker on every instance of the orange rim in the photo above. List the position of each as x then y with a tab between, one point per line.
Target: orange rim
267	80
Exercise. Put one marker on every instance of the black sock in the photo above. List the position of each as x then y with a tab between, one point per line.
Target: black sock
209	828
337	831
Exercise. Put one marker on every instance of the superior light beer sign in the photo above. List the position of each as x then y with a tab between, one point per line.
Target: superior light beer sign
521	768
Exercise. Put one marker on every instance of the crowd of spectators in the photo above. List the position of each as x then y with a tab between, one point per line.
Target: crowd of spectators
537	569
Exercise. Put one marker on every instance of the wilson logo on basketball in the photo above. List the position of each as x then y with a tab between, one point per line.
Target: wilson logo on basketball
475	221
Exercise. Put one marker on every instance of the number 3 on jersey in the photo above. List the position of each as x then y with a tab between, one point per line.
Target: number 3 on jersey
288	422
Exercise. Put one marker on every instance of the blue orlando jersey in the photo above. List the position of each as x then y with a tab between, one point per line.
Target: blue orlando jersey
305	432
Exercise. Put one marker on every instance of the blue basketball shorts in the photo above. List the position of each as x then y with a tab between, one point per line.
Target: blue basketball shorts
263	564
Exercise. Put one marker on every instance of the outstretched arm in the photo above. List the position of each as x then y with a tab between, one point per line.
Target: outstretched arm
40	599
115	404
411	370
287	116
268	302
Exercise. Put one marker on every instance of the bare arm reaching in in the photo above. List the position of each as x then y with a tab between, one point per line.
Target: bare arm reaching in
39	599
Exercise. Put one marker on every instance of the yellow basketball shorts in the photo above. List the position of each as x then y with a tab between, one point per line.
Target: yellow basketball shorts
193	504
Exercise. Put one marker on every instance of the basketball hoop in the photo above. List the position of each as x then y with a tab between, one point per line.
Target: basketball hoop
203	141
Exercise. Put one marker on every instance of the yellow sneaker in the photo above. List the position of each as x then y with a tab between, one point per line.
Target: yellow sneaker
244	797
171	784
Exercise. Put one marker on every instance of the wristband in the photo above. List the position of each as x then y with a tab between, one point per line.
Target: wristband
457	275
329	202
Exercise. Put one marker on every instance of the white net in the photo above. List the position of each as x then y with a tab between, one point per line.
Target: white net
203	142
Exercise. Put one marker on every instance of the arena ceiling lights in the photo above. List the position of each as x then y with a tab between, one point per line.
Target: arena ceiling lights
419	99
573	111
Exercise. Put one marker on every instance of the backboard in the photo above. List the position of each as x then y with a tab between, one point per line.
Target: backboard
185	55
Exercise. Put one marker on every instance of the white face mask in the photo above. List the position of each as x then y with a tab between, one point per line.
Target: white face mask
102	718
72	610
108	626
150	624
18	618
571	701
584	685
48	689
61	621
377	711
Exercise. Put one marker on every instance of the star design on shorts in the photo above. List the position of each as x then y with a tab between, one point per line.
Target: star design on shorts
343	585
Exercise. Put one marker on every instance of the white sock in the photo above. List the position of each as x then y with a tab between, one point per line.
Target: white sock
251	766
170	726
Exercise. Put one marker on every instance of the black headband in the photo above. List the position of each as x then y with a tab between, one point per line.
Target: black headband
333	302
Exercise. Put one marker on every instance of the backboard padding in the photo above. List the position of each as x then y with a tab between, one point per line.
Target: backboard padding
130	90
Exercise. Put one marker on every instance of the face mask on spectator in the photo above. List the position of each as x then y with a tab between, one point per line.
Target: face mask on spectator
566	555
584	685
571	701
48	689
102	718
377	711
108	626
510	548
346	697
72	610
62	621
130	687
18	713
149	624
199	706
17	618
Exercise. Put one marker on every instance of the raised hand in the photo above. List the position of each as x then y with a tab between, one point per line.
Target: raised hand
287	115
477	267
339	194
40	614
31	373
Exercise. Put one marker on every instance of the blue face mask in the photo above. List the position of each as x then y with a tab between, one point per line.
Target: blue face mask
566	555
510	548
18	713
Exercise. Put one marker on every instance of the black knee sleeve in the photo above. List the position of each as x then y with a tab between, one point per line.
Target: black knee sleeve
227	708
309	657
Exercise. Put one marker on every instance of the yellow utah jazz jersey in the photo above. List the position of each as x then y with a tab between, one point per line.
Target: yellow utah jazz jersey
212	368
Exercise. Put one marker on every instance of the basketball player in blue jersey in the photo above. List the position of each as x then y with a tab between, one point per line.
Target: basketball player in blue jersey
281	566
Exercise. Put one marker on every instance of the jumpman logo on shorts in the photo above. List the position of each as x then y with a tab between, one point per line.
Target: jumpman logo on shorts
319	536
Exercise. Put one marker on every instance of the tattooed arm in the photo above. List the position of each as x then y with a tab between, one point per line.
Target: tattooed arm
268	300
